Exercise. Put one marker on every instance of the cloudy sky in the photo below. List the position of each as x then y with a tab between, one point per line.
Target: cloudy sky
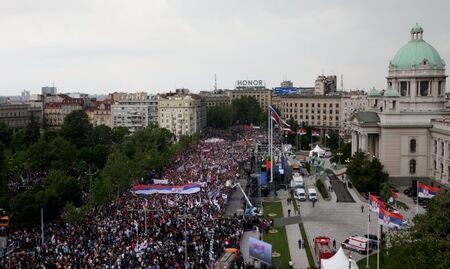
99	46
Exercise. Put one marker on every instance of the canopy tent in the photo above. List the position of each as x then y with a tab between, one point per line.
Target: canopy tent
338	261
317	151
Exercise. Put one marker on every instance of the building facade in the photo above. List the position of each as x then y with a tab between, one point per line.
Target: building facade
261	94
56	112
325	85
19	115
216	98
405	126
182	114
324	112
135	114
99	113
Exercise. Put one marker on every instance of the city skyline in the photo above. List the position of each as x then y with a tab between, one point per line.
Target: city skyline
101	47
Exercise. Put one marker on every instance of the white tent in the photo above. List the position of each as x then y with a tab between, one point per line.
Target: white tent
338	261
316	151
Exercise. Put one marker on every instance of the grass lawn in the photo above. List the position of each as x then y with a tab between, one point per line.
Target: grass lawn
273	207
280	245
307	246
372	262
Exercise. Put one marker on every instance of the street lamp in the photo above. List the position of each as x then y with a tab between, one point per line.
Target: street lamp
339	154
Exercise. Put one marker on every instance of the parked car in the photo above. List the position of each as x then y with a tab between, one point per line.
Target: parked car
373	240
359	244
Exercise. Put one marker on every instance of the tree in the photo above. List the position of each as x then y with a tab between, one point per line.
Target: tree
366	175
246	110
102	134
77	129
102	190
4	196
345	150
5	133
219	117
120	170
333	141
428	244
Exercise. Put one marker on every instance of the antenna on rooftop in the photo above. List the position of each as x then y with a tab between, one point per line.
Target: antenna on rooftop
215	82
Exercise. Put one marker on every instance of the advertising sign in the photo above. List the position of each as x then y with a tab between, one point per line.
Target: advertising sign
260	250
250	83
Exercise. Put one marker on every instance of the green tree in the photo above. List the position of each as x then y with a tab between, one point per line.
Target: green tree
77	129
119	134
102	190
345	150
4	195
219	117
120	169
102	134
366	175
5	133
333	141
246	110
428	244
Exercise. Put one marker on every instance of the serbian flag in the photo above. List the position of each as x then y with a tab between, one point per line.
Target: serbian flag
315	133
425	191
276	118
288	131
389	219
301	131
375	204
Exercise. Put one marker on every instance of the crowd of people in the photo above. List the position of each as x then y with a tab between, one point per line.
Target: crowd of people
155	231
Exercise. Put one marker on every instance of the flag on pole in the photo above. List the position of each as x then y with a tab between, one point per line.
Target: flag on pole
276	118
288	131
315	133
389	219
301	131
268	165
375	204
425	191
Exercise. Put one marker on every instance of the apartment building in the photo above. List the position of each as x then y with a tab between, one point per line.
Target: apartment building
135	113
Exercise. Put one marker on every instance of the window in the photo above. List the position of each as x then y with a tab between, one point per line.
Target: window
435	149
403	88
442	168
440	88
442	148
412	145
412	166
424	88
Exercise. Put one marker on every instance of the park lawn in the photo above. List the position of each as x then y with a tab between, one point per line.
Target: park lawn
272	207
372	261
280	245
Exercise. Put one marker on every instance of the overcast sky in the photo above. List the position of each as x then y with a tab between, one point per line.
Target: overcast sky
100	46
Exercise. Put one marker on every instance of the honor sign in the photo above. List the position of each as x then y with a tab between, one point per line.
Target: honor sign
250	84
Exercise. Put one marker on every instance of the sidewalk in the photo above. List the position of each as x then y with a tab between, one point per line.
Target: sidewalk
298	256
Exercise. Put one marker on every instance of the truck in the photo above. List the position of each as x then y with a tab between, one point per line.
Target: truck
358	244
297	181
323	248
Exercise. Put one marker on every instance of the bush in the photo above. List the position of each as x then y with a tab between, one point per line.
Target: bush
322	189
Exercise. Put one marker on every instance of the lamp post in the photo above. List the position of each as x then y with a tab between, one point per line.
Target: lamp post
339	154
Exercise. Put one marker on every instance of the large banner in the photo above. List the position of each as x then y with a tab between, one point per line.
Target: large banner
166	189
260	250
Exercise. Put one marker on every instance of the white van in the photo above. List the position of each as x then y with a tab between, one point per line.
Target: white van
357	243
300	194
297	181
312	194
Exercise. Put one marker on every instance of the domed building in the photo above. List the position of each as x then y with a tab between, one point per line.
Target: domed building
407	125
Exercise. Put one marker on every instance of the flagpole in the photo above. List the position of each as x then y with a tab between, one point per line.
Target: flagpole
271	153
368	230
298	149
378	243
417	197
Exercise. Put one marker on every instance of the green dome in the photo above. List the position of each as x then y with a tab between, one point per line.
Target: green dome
391	93
374	93
417	52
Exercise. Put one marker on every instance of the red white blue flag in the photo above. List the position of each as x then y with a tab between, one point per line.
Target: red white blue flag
375	204
276	118
315	133
425	191
166	189
301	131
389	219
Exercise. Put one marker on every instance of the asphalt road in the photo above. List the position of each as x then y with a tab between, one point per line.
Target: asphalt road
342	194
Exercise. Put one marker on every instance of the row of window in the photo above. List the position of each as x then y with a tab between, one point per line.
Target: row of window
330	105
324	111
307	117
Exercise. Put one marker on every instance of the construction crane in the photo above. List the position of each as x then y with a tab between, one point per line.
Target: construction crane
250	210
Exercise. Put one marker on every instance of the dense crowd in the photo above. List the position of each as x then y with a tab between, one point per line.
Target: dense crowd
114	235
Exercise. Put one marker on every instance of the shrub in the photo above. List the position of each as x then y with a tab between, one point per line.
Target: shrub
322	189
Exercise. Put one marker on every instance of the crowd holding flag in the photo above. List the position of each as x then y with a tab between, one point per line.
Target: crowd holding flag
425	191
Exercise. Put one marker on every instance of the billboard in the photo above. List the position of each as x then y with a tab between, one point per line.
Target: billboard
260	250
250	83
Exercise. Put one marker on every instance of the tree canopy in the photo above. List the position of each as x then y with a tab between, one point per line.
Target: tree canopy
366	175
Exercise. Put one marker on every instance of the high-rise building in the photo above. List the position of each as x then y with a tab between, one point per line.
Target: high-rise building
48	90
325	85
134	111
